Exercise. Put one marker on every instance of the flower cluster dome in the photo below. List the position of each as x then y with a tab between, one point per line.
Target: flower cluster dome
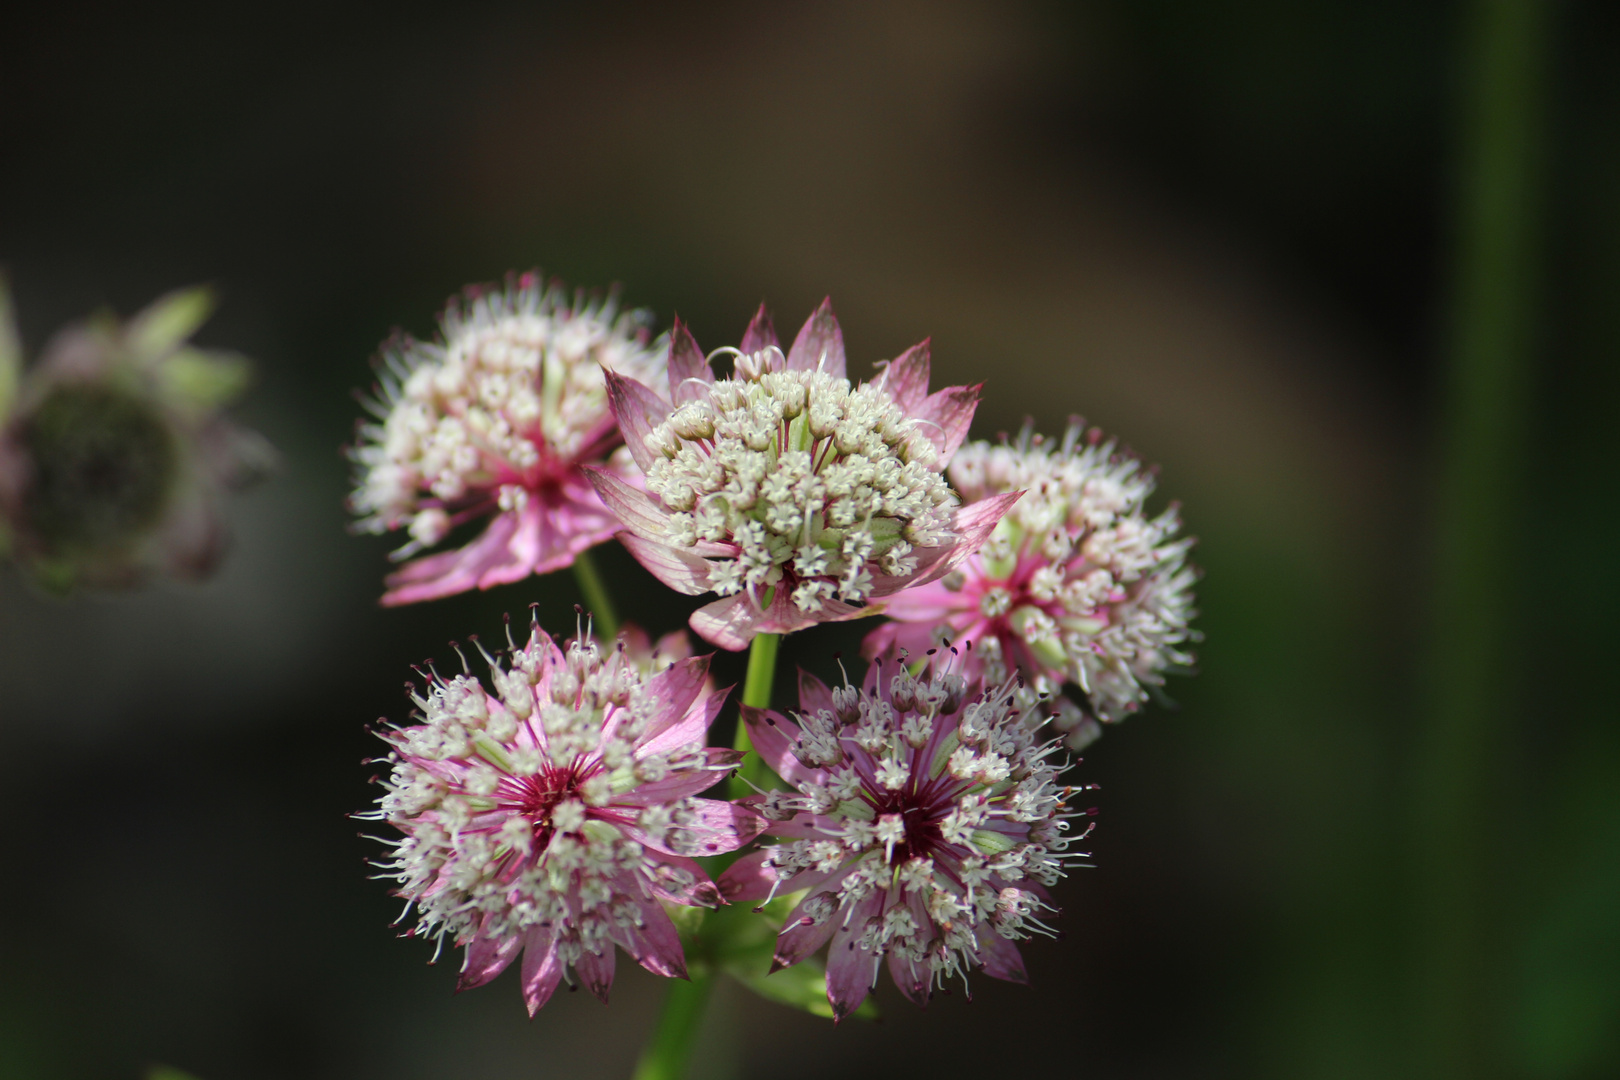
796	495
495	420
553	814
1077	583
924	821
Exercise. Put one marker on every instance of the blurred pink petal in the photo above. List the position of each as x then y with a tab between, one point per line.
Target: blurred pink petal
819	345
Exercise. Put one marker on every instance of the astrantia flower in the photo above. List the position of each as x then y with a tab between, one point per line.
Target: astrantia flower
114	448
924	822
798	496
554	815
494	421
1076	583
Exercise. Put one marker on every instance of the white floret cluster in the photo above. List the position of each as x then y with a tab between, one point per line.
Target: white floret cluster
929	817
1109	602
504	831
513	395
819	484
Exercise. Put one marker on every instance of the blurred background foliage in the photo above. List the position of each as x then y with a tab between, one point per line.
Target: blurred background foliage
1220	230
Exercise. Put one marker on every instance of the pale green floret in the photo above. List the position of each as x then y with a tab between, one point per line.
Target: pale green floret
805	474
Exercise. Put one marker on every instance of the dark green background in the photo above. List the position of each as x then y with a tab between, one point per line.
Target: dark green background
1221	230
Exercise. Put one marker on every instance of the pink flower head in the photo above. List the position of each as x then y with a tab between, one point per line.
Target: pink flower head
1076	584
115	447
798	496
925	821
495	421
554	815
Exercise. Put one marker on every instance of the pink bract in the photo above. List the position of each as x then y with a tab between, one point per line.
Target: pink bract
494	421
556	814
923	822
1077	584
795	494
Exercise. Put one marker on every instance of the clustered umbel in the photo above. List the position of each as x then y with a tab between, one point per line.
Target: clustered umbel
797	495
498	415
115	447
821	485
1077	583
554	813
924	821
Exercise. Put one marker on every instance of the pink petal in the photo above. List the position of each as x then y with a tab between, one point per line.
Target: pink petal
678	785
596	972
638	409
973	525
820	344
773	736
814	694
914	637
674	689
911	978
1001	958
680	570
748	879
451	572
636	510
719	827
689	373
486	958
927	603
655	944
849	967
691	728
799	938
729	623
701	893
906	377
760	333
541	970
946	417
724	826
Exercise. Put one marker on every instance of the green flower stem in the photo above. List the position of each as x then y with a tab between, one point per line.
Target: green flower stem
669	1053
756	693
597	601
1468	700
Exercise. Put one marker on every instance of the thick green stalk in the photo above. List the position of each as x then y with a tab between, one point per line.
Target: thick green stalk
757	693
669	1054
1468	697
597	601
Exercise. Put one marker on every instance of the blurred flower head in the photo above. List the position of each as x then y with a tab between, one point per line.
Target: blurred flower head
493	421
924	823
798	496
114	448
1075	584
553	814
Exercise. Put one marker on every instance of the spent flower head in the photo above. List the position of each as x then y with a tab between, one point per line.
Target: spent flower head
1077	583
555	812
924	822
494	420
115	449
797	495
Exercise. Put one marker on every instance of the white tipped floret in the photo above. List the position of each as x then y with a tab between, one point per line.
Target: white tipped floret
817	482
1110	607
516	383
